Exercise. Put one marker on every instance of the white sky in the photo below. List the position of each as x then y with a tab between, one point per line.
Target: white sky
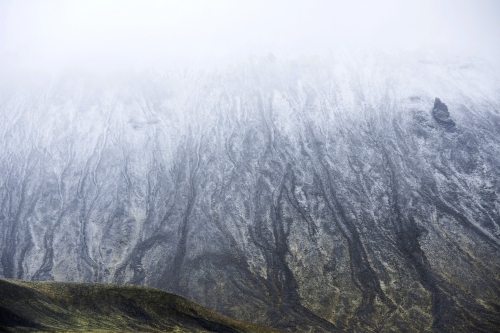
50	35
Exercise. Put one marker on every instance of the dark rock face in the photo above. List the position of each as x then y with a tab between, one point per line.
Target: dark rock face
441	115
297	195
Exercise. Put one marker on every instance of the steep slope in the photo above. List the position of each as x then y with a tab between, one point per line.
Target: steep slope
356	192
64	307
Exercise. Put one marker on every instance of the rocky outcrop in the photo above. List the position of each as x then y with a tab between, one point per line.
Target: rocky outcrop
441	115
316	195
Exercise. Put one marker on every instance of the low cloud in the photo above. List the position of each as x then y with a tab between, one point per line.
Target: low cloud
50	35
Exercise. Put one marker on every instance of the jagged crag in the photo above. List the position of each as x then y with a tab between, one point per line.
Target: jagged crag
315	195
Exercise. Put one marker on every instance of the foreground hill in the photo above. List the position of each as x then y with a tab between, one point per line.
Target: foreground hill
83	307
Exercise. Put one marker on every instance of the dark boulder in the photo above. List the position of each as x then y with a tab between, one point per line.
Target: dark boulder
441	115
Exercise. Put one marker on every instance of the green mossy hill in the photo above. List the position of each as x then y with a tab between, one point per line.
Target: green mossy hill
84	307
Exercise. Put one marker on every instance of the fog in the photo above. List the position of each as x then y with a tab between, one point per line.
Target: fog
107	35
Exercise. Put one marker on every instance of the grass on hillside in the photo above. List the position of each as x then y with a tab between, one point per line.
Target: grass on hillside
84	307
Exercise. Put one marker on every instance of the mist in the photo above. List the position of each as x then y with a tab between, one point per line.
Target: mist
50	36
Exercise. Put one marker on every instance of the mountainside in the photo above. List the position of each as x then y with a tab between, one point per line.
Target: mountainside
356	193
82	307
